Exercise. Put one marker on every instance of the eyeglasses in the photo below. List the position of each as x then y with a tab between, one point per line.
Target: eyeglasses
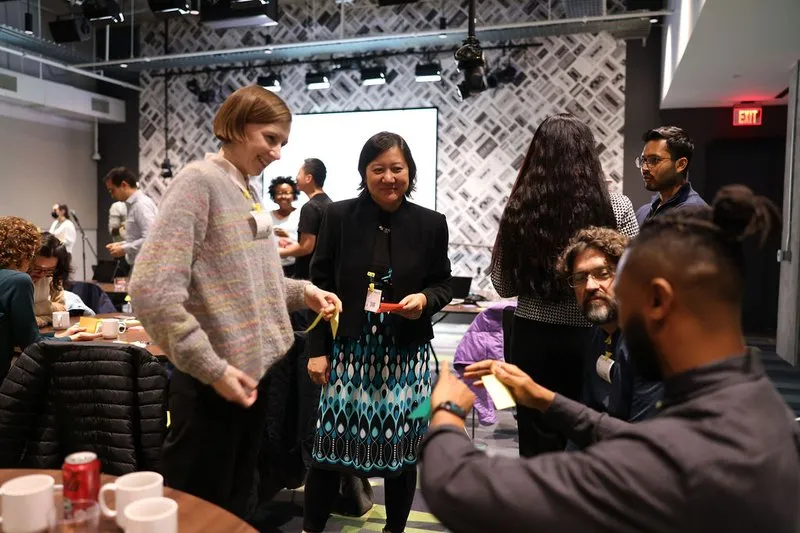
46	271
599	274
650	160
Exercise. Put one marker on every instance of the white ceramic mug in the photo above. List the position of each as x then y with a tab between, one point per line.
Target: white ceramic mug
130	488
111	328
60	319
28	504
152	515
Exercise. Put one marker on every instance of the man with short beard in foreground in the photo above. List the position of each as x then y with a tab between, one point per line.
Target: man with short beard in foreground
610	384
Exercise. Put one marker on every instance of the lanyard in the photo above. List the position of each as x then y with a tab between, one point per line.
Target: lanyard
246	193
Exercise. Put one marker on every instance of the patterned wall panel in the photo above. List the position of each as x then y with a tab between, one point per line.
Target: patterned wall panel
482	140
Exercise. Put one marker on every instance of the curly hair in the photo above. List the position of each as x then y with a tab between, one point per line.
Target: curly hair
19	241
50	246
560	190
608	241
282	180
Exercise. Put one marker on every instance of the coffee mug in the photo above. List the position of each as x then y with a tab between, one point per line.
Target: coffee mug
130	488
111	328
60	319
28	504
152	515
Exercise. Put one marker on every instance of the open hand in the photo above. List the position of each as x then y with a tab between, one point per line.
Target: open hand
522	387
413	306
237	387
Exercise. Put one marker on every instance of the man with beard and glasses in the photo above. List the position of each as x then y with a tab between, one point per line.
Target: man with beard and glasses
610	384
723	452
664	163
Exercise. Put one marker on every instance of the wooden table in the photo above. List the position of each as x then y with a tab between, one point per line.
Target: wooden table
108	287
137	334
194	514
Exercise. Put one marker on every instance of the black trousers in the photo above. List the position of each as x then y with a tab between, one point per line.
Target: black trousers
552	355
211	449
322	488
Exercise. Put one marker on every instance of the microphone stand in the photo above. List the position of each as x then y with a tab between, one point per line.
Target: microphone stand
85	242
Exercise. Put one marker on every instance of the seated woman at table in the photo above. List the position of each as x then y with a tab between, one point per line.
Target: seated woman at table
19	241
49	271
376	248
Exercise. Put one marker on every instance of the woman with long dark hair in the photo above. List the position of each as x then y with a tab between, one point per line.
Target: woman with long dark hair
49	271
560	189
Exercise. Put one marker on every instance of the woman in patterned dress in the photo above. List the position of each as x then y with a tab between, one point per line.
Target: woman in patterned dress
377	248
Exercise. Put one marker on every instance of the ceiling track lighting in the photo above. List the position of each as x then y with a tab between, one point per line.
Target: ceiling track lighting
373	76
29	23
271	82
317	80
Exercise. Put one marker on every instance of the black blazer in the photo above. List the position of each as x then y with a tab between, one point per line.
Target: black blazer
344	253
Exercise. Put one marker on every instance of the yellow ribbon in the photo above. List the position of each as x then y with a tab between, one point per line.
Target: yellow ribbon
334	323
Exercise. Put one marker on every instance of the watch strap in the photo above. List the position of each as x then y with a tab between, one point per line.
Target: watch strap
451	407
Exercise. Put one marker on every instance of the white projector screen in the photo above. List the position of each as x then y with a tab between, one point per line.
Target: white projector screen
337	138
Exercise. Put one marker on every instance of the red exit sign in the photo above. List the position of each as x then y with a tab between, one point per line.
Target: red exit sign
747	116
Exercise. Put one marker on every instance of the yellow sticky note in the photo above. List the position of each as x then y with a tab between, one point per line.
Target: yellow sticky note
335	324
92	325
501	397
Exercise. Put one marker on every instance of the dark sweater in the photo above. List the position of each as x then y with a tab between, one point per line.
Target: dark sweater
721	456
17	319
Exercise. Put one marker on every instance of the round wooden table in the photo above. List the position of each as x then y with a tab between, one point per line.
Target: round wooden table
194	514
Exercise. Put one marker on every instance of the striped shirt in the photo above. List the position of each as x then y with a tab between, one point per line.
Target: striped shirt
205	288
565	312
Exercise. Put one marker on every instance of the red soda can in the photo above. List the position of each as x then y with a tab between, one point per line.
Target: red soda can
81	474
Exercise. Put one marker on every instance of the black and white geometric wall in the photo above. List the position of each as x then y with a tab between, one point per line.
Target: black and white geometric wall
482	140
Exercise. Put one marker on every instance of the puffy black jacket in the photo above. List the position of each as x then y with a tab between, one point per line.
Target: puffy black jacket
60	398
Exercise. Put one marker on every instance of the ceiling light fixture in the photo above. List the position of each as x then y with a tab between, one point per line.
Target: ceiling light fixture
104	11
271	82
29	23
317	80
428	72
373	76
167	8
123	65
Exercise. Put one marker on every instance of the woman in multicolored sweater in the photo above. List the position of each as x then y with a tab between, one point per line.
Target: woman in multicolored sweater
209	288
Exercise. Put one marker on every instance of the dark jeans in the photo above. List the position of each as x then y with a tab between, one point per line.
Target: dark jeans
552	355
322	487
211	450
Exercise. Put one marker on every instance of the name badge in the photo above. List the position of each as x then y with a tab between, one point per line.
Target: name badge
262	222
603	367
373	302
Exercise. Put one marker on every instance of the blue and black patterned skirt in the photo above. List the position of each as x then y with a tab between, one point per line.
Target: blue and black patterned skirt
363	425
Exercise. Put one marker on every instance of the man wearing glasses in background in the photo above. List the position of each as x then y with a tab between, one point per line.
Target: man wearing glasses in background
610	384
665	169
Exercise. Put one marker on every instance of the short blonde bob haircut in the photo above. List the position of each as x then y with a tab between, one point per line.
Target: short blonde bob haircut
249	105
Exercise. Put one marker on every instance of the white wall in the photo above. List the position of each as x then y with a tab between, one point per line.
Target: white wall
678	28
46	160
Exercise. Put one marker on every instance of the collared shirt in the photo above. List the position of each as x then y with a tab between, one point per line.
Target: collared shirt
142	212
685	197
627	395
720	456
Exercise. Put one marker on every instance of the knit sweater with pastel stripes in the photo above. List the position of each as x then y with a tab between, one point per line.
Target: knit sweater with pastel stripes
204	287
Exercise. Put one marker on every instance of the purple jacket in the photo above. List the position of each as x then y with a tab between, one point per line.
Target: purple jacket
483	340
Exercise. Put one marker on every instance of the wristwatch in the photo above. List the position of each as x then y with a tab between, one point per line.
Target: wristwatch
451	407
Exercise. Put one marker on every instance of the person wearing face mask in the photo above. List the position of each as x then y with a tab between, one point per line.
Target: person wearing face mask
723	452
664	163
610	383
62	227
376	249
283	191
19	242
49	271
209	288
